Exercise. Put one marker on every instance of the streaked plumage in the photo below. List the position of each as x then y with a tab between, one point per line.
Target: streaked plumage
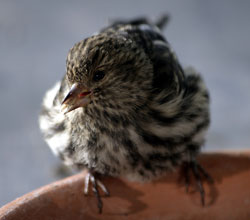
145	117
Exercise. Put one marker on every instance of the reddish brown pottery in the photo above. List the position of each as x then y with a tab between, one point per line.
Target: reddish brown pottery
227	198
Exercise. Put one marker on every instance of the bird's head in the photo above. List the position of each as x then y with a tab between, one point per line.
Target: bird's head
107	70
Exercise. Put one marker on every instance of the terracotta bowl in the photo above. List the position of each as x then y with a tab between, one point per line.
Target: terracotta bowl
227	198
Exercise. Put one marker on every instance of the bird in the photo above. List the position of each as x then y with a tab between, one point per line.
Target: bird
127	108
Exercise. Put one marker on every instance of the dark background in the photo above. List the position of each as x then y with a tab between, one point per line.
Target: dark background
35	37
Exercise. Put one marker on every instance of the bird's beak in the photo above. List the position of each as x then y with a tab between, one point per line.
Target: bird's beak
78	96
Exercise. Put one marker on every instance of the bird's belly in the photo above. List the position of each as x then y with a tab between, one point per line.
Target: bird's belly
135	160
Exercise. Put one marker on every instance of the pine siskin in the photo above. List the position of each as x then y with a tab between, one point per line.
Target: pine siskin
125	107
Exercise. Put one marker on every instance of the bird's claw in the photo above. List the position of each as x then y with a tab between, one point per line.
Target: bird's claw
197	171
90	177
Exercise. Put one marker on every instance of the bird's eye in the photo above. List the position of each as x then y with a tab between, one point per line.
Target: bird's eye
98	75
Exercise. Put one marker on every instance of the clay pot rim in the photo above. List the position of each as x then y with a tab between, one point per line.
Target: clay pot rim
18	204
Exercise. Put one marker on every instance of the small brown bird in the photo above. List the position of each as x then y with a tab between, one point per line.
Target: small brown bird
125	107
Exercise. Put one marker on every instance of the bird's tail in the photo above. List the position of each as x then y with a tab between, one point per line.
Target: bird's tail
162	21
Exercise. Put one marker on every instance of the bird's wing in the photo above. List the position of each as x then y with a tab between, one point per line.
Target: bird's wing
52	121
161	22
168	73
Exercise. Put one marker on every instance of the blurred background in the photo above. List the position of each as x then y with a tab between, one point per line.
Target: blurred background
35	37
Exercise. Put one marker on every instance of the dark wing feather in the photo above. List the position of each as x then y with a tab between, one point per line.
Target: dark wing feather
168	73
